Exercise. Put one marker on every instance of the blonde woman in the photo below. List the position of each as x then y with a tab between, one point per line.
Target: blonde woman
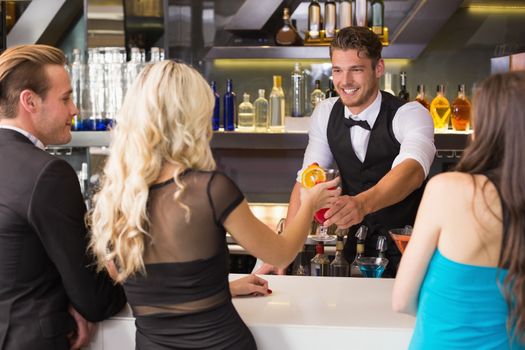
162	213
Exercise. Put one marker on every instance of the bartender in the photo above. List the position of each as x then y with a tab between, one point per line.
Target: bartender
382	146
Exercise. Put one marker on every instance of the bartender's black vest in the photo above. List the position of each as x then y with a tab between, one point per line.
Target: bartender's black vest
357	176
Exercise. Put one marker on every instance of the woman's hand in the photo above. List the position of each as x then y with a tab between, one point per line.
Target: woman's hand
249	285
322	195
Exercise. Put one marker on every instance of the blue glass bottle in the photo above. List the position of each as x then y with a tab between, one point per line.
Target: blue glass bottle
229	107
216	110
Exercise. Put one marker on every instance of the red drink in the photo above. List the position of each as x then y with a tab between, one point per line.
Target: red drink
319	215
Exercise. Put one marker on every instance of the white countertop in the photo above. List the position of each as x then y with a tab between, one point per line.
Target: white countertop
303	313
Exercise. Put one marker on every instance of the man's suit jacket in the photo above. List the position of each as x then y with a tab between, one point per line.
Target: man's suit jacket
44	265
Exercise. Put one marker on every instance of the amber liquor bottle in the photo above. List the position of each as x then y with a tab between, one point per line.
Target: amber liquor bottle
461	110
287	35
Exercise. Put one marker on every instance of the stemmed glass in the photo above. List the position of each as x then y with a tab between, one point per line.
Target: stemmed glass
323	235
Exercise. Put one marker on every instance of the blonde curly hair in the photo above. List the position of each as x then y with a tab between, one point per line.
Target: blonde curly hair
164	119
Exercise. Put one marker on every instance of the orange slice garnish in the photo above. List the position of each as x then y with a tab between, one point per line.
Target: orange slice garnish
312	175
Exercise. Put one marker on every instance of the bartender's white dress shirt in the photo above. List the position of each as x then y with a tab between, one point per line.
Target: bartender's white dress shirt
412	125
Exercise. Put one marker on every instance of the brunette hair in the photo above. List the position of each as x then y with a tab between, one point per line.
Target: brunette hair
21	68
499	120
361	39
165	119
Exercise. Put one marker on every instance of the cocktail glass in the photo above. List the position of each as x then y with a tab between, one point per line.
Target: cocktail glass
319	215
401	236
372	266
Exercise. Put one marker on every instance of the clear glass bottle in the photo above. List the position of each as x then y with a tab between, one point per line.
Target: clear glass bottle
330	92
95	102
339	267
403	92
440	110
133	67
298	87
461	111
288	35
216	117
320	264
329	19
261	112
360	251
345	14
246	114
381	246
228	107
317	95
314	20
421	96
361	13
155	55
377	16
388	84
78	82
301	266
277	107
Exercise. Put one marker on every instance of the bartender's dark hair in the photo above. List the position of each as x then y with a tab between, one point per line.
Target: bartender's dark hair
361	39
499	126
21	68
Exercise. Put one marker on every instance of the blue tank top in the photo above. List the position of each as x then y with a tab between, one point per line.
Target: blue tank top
462	307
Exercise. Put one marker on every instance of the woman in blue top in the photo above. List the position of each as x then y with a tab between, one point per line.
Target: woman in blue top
463	273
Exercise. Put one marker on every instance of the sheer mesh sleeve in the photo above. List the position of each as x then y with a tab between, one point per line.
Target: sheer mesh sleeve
224	196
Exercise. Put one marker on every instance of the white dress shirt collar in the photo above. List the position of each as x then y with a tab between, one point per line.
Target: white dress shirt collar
27	134
369	114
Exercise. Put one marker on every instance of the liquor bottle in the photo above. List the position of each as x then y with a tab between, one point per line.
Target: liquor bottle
228	107
76	71
388	84
461	110
381	246
297	91
377	17
339	266
360	251
317	95
288	35
155	55
133	67
246	114
216	117
301	266
329	19
440	110
277	108
314	20
330	92
421	96
261	112
403	93
96	99
345	14
360	13
319	265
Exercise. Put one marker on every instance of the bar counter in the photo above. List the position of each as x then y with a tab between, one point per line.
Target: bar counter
302	313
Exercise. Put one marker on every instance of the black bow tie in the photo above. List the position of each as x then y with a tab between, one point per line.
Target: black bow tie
349	122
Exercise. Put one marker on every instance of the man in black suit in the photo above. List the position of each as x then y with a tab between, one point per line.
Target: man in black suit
44	265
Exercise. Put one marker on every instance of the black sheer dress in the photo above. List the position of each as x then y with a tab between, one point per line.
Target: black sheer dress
184	300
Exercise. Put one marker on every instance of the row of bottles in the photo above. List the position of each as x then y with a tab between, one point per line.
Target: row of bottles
323	26
320	264
267	115
99	86
444	114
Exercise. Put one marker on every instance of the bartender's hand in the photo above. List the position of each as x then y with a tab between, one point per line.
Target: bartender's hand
249	285
345	212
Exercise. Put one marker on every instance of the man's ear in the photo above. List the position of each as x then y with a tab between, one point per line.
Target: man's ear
380	68
29	101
